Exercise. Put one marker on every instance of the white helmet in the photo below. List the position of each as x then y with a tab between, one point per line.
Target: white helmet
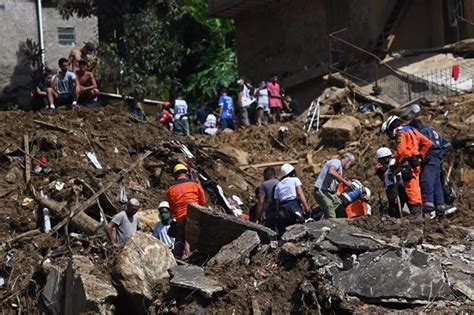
367	193
286	169
164	204
388	122
383	152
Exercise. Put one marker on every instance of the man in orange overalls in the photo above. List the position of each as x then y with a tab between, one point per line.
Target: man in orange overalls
182	192
412	147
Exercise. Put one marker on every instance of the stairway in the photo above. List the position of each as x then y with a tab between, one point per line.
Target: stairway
386	37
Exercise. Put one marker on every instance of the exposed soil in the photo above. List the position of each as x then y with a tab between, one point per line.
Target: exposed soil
277	284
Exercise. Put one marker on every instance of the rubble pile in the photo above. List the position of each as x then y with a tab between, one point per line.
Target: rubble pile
64	174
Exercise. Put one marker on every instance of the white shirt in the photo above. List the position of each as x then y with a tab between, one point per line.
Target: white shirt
180	109
211	121
161	232
246	99
286	189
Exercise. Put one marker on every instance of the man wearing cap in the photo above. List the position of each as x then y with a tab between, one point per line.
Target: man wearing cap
182	192
83	53
125	223
161	228
325	187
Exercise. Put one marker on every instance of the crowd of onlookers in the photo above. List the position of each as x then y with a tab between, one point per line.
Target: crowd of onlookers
260	106
74	82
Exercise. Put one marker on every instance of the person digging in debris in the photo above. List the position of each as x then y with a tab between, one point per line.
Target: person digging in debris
274	93
226	111
65	87
181	123
325	186
431	184
182	192
291	108
78	54
160	231
125	223
266	207
393	183
290	201
88	91
412	147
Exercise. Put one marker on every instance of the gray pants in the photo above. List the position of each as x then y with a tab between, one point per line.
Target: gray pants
244	116
330	203
181	126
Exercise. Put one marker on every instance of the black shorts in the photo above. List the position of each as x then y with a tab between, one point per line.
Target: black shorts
275	110
64	99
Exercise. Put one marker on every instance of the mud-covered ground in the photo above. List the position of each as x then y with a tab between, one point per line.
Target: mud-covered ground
117	140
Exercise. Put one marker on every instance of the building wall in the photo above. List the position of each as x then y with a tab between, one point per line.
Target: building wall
18	23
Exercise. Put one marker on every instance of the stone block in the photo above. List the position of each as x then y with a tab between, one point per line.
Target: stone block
341	130
208	230
237	250
193	278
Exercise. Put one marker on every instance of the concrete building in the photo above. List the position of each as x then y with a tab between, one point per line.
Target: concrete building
20	21
290	37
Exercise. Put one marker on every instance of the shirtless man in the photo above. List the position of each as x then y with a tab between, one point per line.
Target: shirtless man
78	54
87	90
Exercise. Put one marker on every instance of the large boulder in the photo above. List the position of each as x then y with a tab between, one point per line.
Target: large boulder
140	266
148	219
340	130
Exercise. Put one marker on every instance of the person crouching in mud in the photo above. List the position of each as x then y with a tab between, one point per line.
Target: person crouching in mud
290	200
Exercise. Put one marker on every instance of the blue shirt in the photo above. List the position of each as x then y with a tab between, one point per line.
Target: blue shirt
228	106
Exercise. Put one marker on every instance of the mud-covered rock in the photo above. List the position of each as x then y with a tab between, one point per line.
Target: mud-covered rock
341	130
141	264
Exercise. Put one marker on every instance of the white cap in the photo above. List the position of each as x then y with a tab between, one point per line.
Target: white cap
383	152
164	204
286	169
134	202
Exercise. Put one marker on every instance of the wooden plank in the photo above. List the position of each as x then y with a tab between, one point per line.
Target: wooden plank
261	165
51	126
26	141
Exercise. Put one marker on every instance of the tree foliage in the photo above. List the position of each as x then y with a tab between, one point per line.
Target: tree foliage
152	46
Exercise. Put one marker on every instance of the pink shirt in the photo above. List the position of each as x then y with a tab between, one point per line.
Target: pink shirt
274	89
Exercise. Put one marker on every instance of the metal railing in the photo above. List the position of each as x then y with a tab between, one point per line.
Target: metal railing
370	72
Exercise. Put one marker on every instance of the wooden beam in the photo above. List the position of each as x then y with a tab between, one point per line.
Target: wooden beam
51	126
26	141
268	164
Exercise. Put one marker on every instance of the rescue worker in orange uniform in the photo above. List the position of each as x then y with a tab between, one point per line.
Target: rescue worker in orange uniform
182	192
412	147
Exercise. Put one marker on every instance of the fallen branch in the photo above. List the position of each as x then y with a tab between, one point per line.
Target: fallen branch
89	202
268	164
30	233
51	126
370	237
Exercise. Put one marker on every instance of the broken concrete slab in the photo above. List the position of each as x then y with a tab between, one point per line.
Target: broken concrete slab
237	250
341	130
208	230
342	237
408	275
141	264
193	278
93	294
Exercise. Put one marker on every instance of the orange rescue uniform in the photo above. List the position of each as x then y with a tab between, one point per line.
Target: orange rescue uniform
411	143
182	193
356	208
